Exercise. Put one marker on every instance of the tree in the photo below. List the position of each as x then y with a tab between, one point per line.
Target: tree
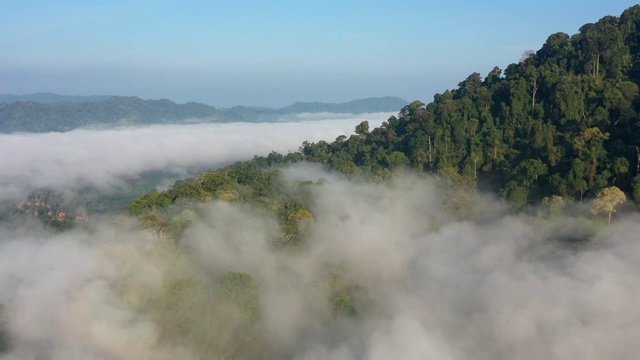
589	145
151	201
515	194
154	222
636	189
239	289
553	205
363	128
606	201
459	202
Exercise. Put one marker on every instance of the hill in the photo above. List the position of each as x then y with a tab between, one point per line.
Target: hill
34	116
562	123
369	105
51	98
37	117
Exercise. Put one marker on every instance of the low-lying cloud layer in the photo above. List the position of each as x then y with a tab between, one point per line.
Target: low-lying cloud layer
102	158
506	287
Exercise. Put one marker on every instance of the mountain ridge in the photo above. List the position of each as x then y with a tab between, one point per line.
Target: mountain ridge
31	116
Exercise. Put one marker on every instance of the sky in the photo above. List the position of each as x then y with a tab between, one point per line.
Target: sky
272	53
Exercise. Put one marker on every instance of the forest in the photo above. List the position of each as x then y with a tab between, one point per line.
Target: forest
489	223
560	125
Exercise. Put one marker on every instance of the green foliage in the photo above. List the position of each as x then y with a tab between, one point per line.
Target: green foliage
154	222
238	290
345	297
151	201
553	205
636	189
563	121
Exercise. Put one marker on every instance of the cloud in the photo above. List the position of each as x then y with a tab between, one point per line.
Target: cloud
102	158
505	287
496	286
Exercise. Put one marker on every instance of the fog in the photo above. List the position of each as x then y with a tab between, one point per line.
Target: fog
102	158
496	286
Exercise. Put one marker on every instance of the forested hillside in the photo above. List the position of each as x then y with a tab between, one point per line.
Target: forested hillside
480	225
563	121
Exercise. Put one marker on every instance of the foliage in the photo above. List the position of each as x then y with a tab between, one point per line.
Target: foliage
563	121
553	205
607	200
560	124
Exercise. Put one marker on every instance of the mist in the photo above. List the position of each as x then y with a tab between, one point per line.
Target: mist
103	158
494	286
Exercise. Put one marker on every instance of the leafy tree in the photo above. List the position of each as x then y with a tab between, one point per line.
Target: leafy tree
515	194
553	204
363	128
154	222
238	290
151	201
606	201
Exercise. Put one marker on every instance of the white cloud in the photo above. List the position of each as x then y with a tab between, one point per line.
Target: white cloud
101	158
437	287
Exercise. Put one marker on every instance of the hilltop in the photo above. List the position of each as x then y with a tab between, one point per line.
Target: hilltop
562	123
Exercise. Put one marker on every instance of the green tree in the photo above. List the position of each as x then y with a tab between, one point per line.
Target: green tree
363	128
553	205
154	222
636	189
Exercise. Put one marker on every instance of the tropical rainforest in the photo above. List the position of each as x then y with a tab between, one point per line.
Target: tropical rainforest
562	122
480	225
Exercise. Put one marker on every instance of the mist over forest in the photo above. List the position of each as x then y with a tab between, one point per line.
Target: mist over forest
104	159
497	221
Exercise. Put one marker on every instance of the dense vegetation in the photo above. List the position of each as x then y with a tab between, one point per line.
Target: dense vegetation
561	125
45	116
562	122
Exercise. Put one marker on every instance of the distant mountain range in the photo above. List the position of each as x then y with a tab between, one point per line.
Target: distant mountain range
51	98
43	112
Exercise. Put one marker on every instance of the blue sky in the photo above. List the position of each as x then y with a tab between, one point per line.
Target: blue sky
272	53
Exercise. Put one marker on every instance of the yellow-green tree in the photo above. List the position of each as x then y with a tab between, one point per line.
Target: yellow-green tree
606	201
553	205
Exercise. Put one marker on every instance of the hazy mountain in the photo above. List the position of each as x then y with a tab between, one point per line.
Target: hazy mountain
368	105
51	98
36	116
